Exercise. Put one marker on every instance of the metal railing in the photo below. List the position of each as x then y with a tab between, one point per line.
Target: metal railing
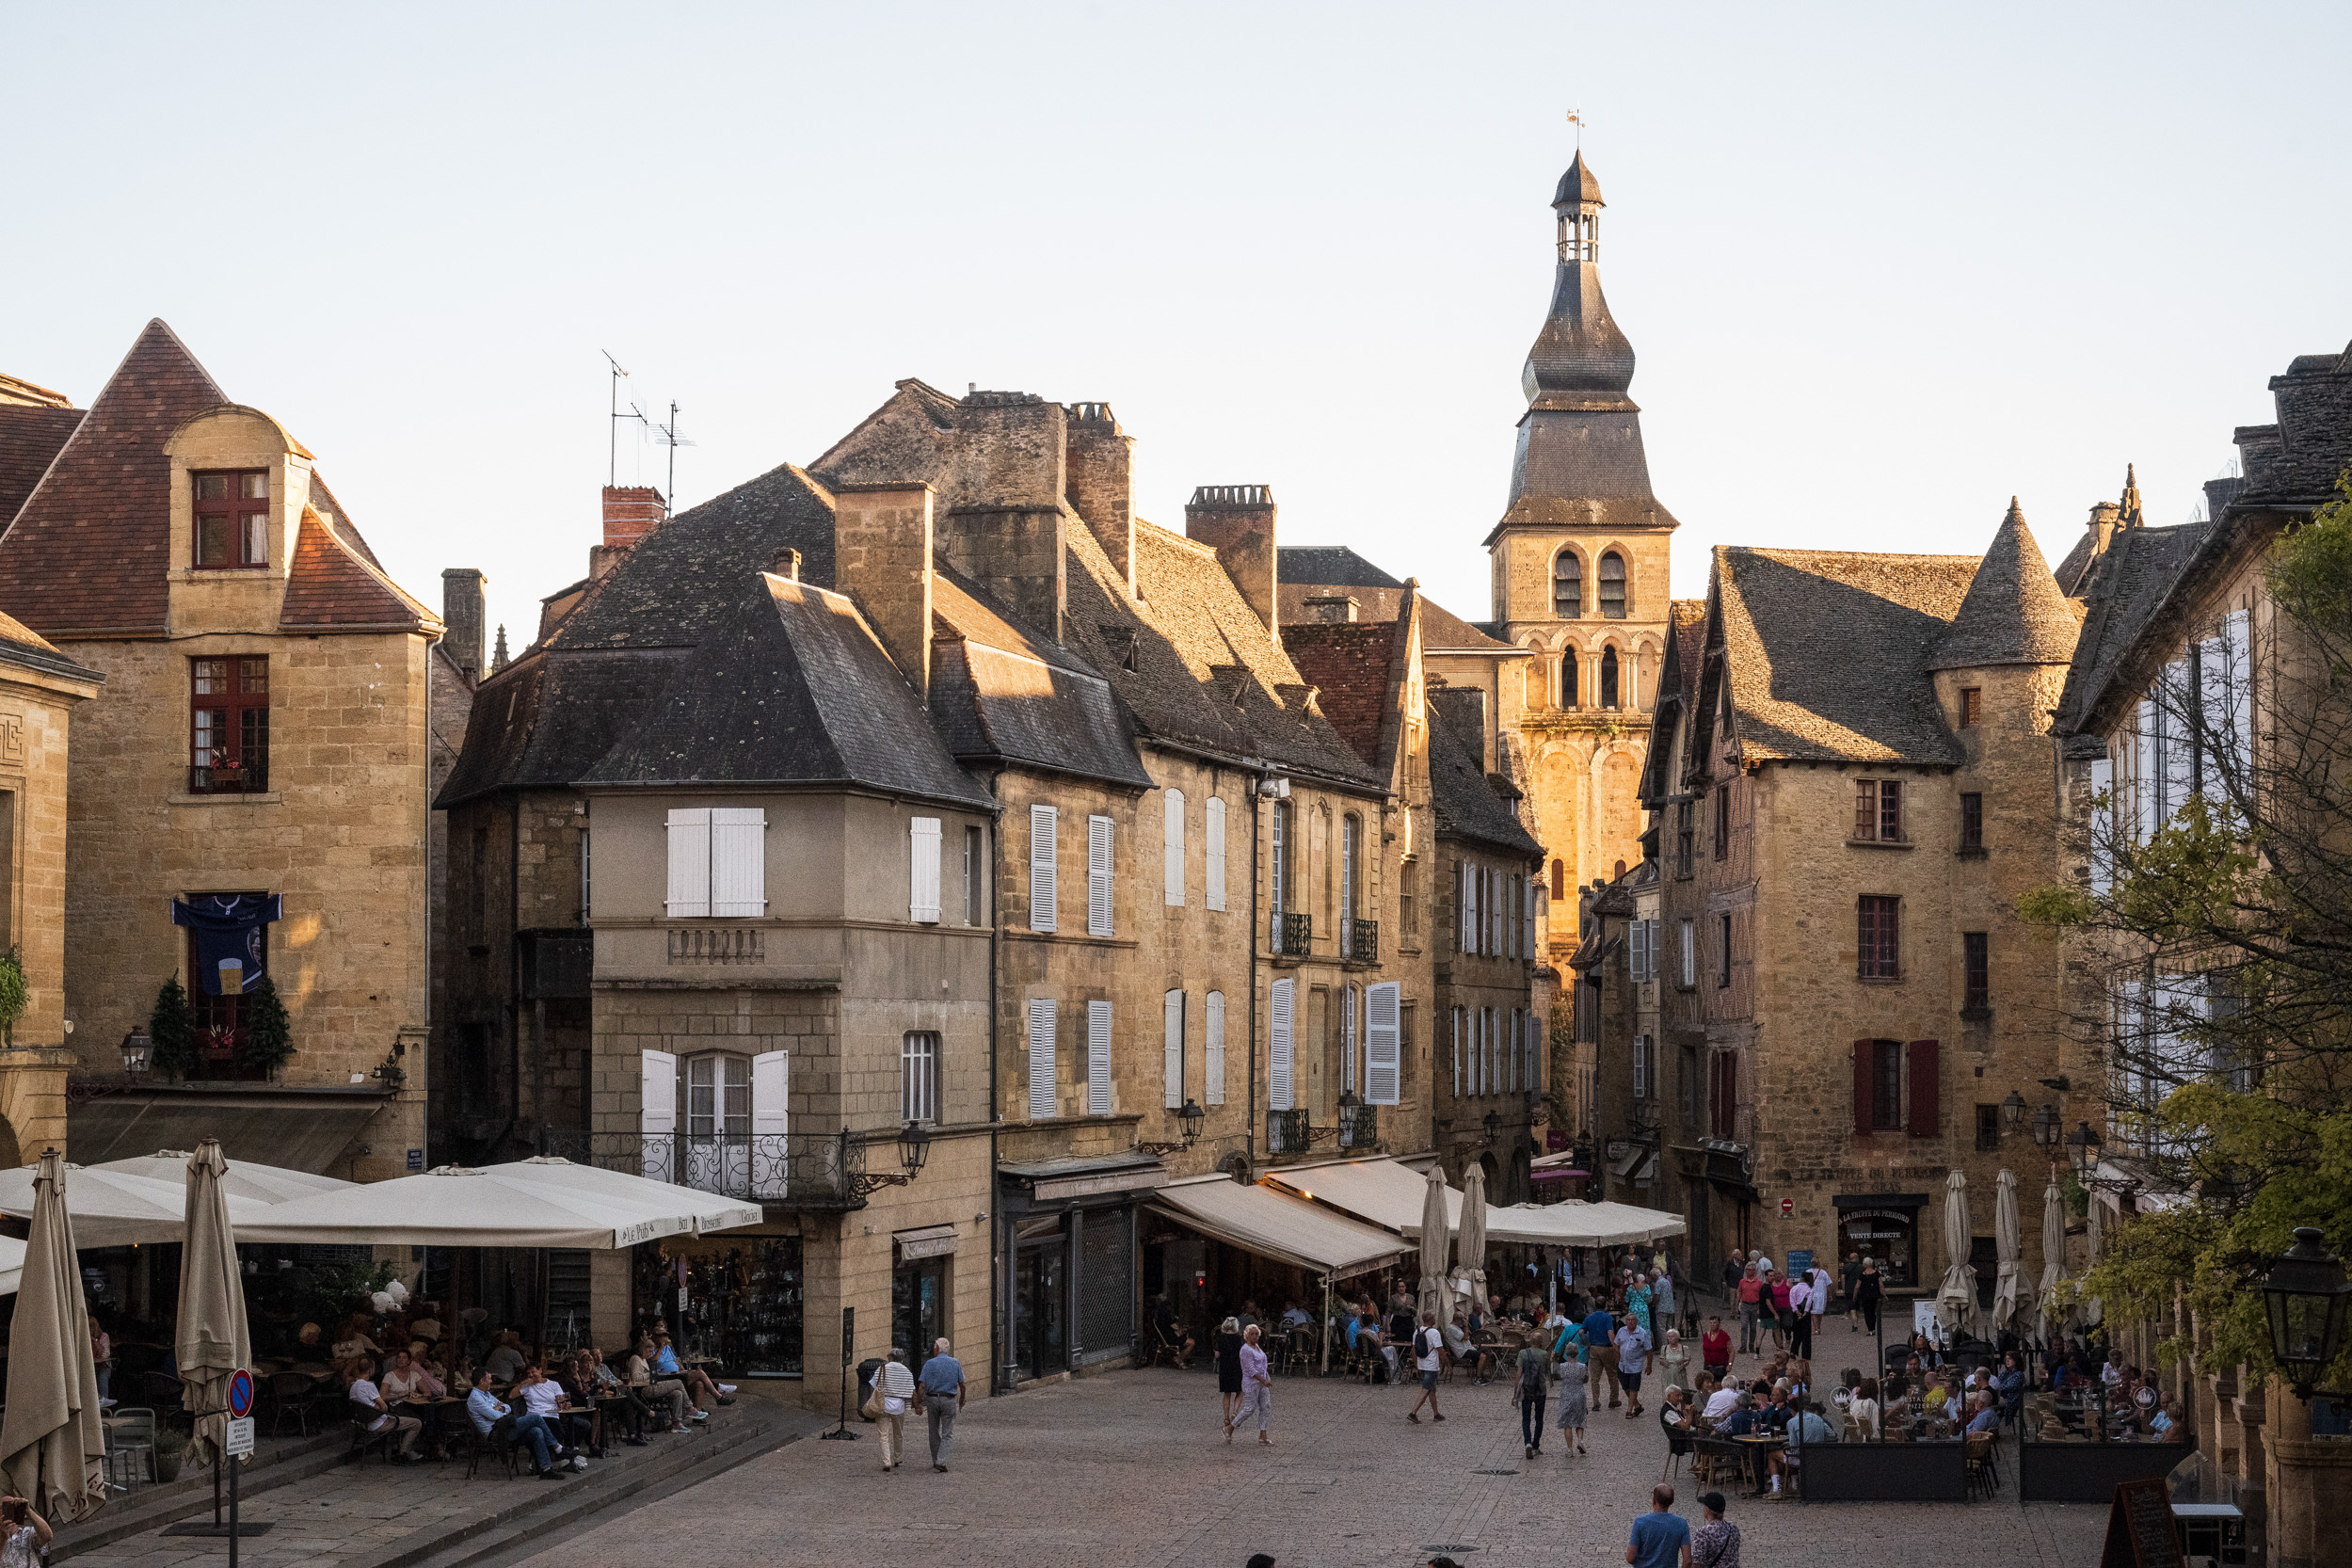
1288	1132
1294	935
1359	940
1359	1127
795	1170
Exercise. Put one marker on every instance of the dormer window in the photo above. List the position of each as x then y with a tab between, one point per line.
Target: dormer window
233	518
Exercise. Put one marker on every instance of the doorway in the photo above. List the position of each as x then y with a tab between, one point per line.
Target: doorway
1041	1342
919	1306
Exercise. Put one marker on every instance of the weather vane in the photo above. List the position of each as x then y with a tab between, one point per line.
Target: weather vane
1575	118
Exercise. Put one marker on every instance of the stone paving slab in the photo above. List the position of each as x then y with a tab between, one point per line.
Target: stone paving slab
1128	1470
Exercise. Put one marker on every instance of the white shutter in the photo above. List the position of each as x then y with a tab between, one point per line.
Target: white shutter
1041	869
1456	1059
739	861
1689	956
1172	1049
2180	736
1215	851
2237	636
1213	1089
1172	836
1278	1054
1637	936
1471	876
657	1115
1640	1066
923	896
771	1104
1041	1079
2211	738
690	862
1098	876
1098	1058
2144	812
2103	821
1384	1060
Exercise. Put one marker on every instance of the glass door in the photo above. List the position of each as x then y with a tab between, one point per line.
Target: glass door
1038	1310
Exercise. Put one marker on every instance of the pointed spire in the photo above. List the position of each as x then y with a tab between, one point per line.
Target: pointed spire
2132	516
1580	359
498	657
2014	612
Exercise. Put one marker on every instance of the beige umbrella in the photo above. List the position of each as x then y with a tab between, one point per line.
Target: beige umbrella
1434	1234
262	1183
2094	1243
51	1443
2053	1247
1955	1298
1471	1248
2010	1244
213	1338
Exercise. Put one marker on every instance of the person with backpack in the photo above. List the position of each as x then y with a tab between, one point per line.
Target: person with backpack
1428	1346
1534	1388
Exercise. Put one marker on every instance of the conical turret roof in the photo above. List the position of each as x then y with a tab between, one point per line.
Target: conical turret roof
2013	613
1577	185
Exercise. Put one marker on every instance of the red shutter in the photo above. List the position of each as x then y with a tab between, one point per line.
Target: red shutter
1862	1082
1925	1088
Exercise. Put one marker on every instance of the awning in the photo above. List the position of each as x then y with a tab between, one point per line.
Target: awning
529	1203
295	1129
111	1208
925	1242
245	1179
1274	1225
1084	1176
1387	1193
1579	1224
1560	1172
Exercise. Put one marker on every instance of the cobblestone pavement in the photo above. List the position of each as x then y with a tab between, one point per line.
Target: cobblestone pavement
1130	1469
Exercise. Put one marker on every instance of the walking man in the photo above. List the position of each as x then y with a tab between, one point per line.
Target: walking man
1633	1356
1661	1538
1257	1387
1600	1354
940	1394
1852	1272
1427	1345
1819	1279
1534	1388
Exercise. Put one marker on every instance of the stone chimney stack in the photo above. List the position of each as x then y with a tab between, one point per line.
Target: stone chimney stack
882	536
2103	516
463	611
1338	608
1100	459
787	564
1017	553
1237	523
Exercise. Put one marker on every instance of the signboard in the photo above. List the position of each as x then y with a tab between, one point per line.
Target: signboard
1788	1206
1800	1262
239	1440
416	1160
241	1392
1922	1319
2141	1531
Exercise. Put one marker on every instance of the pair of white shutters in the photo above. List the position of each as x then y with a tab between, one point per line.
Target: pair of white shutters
1279	1055
1043	1103
1171	844
657	1115
1044	872
717	862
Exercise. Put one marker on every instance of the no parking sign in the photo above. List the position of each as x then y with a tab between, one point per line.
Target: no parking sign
241	1392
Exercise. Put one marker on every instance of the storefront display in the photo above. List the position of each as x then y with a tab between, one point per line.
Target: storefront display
741	1303
1886	1227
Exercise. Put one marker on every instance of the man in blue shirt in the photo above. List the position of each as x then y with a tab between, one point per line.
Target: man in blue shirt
940	1394
1745	1421
1661	1538
1600	1352
1987	1416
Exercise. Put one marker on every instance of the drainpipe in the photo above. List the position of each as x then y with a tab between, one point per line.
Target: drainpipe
1000	1279
1258	823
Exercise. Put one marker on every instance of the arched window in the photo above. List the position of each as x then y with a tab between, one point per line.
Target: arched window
1568	663
1560	879
1612	575
1568	585
1608	678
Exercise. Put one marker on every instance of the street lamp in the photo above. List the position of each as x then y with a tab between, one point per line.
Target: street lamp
137	1052
1192	1117
2046	1126
2083	1145
914	1147
2012	1110
2306	1295
1493	1124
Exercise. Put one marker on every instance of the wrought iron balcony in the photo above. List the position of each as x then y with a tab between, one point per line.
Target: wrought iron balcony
1294	935
1359	941
1288	1132
791	1171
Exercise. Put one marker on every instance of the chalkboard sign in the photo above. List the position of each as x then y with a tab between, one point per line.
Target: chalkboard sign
1800	1262
2141	1531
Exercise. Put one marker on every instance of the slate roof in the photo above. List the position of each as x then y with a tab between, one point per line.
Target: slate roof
2294	464
2070	570
20	645
1329	565
1465	803
1577	185
30	435
329	584
1002	692
1349	664
2013	613
789	687
2130	584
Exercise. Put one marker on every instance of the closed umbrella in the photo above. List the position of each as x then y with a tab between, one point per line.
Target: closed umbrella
1955	1299
1471	1248
2094	1243
213	1341
2010	1241
52	1446
1433	1239
2053	1247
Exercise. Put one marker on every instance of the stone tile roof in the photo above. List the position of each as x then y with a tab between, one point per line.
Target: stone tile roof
547	718
2294	464
2071	570
30	435
2127	587
91	547
1001	692
329	584
20	645
789	687
1329	565
1463	801
2013	613
1348	665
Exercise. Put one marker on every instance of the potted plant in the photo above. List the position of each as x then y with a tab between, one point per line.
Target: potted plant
171	1446
268	1034
171	1031
13	995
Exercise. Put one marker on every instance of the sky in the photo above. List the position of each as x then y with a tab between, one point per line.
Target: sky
1883	266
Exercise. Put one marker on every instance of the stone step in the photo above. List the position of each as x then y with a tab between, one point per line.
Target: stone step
191	1495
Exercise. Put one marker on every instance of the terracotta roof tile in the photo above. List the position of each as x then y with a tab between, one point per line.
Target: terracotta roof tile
30	437
1346	661
330	584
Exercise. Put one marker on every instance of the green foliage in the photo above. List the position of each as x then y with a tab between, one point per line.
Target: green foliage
335	1293
171	1031
268	1035
13	994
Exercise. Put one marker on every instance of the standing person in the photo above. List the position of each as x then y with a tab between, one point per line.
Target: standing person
1750	1309
1428	1345
24	1535
1734	1269
1637	1302
1850	1276
1869	1290
940	1395
1715	1542
1534	1388
1801	1317
1573	1409
1819	1279
1714	1349
1674	1361
895	1386
1776	1303
1661	1539
1633	1354
1257	1386
1229	1371
1600	1331
1662	1304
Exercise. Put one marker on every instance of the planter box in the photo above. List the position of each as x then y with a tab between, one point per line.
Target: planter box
1885	1473
2090	1472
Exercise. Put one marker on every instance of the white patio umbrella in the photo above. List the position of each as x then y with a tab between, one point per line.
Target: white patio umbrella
531	1203
2053	1248
116	1209
2010	1244
11	1265
52	1446
1470	1249
212	1341
242	1179
1955	1298
1434	1235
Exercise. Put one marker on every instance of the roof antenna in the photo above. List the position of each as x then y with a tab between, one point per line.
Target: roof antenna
611	440
669	437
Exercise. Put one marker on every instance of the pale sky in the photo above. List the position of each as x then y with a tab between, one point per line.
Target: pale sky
1882	268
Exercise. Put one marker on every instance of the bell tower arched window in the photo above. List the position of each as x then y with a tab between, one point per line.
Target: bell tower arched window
1608	678
1568	663
1612	582
1567	586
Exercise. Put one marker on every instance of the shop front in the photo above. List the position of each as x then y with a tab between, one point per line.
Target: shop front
1886	1226
739	1296
1069	1259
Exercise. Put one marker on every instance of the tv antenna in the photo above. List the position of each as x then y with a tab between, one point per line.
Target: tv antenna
611	441
667	435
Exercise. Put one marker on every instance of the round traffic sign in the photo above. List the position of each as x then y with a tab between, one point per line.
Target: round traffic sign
1788	1205
240	1393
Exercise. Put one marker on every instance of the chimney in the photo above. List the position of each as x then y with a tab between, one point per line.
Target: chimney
1100	472
882	536
2104	516
787	564
1016	553
632	512
1237	523
1337	608
462	612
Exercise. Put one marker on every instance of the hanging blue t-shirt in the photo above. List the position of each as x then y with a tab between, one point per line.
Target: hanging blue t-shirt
231	951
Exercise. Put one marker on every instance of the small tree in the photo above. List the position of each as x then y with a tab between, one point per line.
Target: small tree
13	995
171	1031
268	1035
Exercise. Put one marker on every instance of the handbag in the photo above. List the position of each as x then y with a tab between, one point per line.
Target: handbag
871	1408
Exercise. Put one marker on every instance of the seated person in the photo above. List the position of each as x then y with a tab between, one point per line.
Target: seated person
540	1395
604	1388
426	1324
1805	1425
404	1380
1294	1315
1163	1317
2166	1425
1464	1353
1722	1401
699	1387
355	1342
373	1412
504	1426
1863	1410
1744	1421
1987	1416
506	1359
309	1344
659	1394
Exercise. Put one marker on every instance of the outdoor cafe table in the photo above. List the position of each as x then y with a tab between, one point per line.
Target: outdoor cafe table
1752	1458
434	1413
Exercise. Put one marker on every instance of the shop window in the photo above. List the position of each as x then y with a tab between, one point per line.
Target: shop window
232	520
1888	1235
229	727
919	1076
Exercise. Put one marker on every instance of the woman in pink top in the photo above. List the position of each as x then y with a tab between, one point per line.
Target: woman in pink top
1781	1318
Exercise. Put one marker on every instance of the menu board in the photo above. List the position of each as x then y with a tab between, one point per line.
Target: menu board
2141	1531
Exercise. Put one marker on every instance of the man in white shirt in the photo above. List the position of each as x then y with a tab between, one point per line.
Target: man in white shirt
1722	1401
1822	1288
1803	1310
370	1410
1427	1344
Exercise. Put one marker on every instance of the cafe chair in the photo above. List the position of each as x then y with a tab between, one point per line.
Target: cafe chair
295	1396
1158	1346
362	1440
130	1448
505	1454
1677	1445
1984	1464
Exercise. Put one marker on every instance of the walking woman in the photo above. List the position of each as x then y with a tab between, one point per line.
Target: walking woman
1229	1371
1751	1309
1257	1387
1571	1409
1868	1292
1534	1388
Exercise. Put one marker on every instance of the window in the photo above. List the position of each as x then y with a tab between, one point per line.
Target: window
232	518
1976	970
1560	880
1172	1049
1215	852
587	903
1637	951
1885	1109
1567	586
1213	1089
1612	589
1893	1078
1172	846
1042	1087
717	862
1042	869
1722	821
1644	1075
1277	868
1408	905
1988	1129
1568	679
1456	1059
1689	954
1878	810
1383	1044
1280	1012
1972	821
1350	834
718	1096
1688	1091
1682	838
975	880
228	958
1723	972
1971	707
1608	678
228	735
1098	876
1723	1096
922	894
1876	927
919	1076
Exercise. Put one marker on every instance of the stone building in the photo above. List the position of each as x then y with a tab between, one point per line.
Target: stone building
1841	963
256	770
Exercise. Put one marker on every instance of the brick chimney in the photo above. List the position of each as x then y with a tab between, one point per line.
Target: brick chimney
462	612
632	512
1099	461
882	536
1237	523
